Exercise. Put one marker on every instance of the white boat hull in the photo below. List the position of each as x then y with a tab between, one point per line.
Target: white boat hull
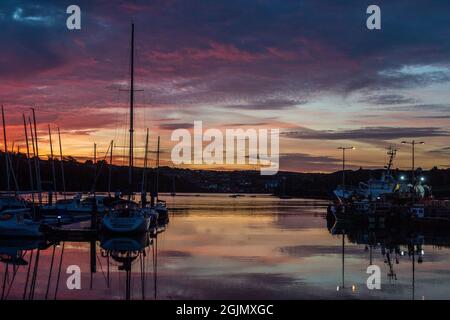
125	225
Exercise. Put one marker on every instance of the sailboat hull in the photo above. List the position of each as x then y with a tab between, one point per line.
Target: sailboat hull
20	230
123	225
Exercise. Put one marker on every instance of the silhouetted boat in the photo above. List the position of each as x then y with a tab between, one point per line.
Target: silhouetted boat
373	189
126	218
18	223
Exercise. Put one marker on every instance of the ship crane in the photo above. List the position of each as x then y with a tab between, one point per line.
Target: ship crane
391	153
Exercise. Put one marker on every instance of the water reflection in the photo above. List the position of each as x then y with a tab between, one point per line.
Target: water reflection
217	247
394	244
33	269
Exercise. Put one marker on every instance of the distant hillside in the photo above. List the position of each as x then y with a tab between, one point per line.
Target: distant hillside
80	177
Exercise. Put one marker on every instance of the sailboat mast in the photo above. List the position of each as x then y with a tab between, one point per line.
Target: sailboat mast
95	160
8	186
38	169
110	167
144	171
62	164
29	162
130	172
157	171
52	160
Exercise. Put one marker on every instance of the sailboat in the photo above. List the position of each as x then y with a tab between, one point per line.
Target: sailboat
15	218
127	216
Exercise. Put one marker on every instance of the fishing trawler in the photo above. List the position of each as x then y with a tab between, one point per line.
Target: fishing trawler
367	202
392	201
372	189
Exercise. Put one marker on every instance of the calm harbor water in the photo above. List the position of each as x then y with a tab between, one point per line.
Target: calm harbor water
218	247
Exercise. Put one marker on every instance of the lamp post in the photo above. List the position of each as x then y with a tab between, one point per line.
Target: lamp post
413	145
343	161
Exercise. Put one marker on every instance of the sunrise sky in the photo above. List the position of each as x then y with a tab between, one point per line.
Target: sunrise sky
310	68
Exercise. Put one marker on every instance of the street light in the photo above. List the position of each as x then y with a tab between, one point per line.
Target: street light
343	161
413	144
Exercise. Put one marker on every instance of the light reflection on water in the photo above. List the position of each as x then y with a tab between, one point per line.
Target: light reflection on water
217	247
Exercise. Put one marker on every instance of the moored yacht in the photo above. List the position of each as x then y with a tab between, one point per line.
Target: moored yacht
126	218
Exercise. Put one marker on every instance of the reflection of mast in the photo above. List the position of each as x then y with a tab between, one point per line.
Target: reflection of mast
342	288
391	274
413	271
107	270
413	251
4	281
343	258
127	266
155	266
142	265
34	276
50	272
59	270
28	276
93	256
